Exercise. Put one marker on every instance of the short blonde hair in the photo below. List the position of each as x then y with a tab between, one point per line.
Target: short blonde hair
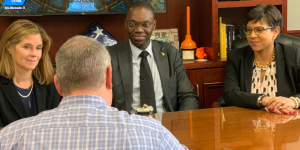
16	32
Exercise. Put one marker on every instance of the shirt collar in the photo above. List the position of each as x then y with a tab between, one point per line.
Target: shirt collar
136	51
93	100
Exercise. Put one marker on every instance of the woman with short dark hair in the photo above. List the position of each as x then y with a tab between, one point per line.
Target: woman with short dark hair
264	74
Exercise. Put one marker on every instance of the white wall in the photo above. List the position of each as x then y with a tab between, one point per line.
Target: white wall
293	15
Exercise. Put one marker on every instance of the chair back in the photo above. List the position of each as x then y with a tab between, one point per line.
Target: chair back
283	39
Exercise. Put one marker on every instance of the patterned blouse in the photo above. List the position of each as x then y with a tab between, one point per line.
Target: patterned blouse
269	83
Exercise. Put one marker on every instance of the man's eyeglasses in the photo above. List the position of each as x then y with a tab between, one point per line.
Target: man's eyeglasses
257	30
143	25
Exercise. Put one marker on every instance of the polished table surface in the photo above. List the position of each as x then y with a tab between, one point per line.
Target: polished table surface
233	128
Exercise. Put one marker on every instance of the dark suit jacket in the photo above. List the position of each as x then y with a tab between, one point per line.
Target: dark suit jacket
12	107
238	75
177	89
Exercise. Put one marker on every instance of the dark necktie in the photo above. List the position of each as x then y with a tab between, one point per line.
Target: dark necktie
147	95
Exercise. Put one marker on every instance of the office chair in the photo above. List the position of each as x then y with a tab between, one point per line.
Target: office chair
283	39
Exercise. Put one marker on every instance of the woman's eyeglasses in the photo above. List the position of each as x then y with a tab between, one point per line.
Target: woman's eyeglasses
257	30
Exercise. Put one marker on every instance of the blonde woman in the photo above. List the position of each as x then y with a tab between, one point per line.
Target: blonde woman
26	73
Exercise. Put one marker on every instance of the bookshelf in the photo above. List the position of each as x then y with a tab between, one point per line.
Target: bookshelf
207	77
232	4
232	12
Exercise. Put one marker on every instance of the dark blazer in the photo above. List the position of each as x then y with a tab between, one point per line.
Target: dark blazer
238	75
11	104
178	92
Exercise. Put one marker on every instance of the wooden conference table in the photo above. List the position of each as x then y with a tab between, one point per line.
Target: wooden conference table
233	128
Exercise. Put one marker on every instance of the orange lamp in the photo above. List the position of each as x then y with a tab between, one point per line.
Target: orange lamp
188	43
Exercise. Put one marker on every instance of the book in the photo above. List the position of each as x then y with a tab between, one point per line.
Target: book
230	31
167	35
98	33
220	32
222	39
223	52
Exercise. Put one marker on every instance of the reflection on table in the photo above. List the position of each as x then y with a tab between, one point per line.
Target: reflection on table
233	128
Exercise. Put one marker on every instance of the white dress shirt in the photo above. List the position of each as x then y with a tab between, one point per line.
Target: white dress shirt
136	60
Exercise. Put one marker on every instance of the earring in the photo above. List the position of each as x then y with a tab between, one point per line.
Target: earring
274	38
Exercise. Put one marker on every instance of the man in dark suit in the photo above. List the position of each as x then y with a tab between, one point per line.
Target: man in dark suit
172	89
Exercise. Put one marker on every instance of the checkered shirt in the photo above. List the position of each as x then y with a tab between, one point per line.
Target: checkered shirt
86	122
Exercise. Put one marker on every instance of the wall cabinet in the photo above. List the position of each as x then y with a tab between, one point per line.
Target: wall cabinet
207	84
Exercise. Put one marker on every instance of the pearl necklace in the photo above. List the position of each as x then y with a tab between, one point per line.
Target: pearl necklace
28	93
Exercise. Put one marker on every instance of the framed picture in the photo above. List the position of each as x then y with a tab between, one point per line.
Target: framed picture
71	7
167	35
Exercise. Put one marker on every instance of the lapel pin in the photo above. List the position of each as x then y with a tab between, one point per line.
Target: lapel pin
163	53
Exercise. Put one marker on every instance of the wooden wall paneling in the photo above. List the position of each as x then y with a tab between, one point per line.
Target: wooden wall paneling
205	28
284	14
212	91
215	29
196	78
62	27
175	17
295	33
